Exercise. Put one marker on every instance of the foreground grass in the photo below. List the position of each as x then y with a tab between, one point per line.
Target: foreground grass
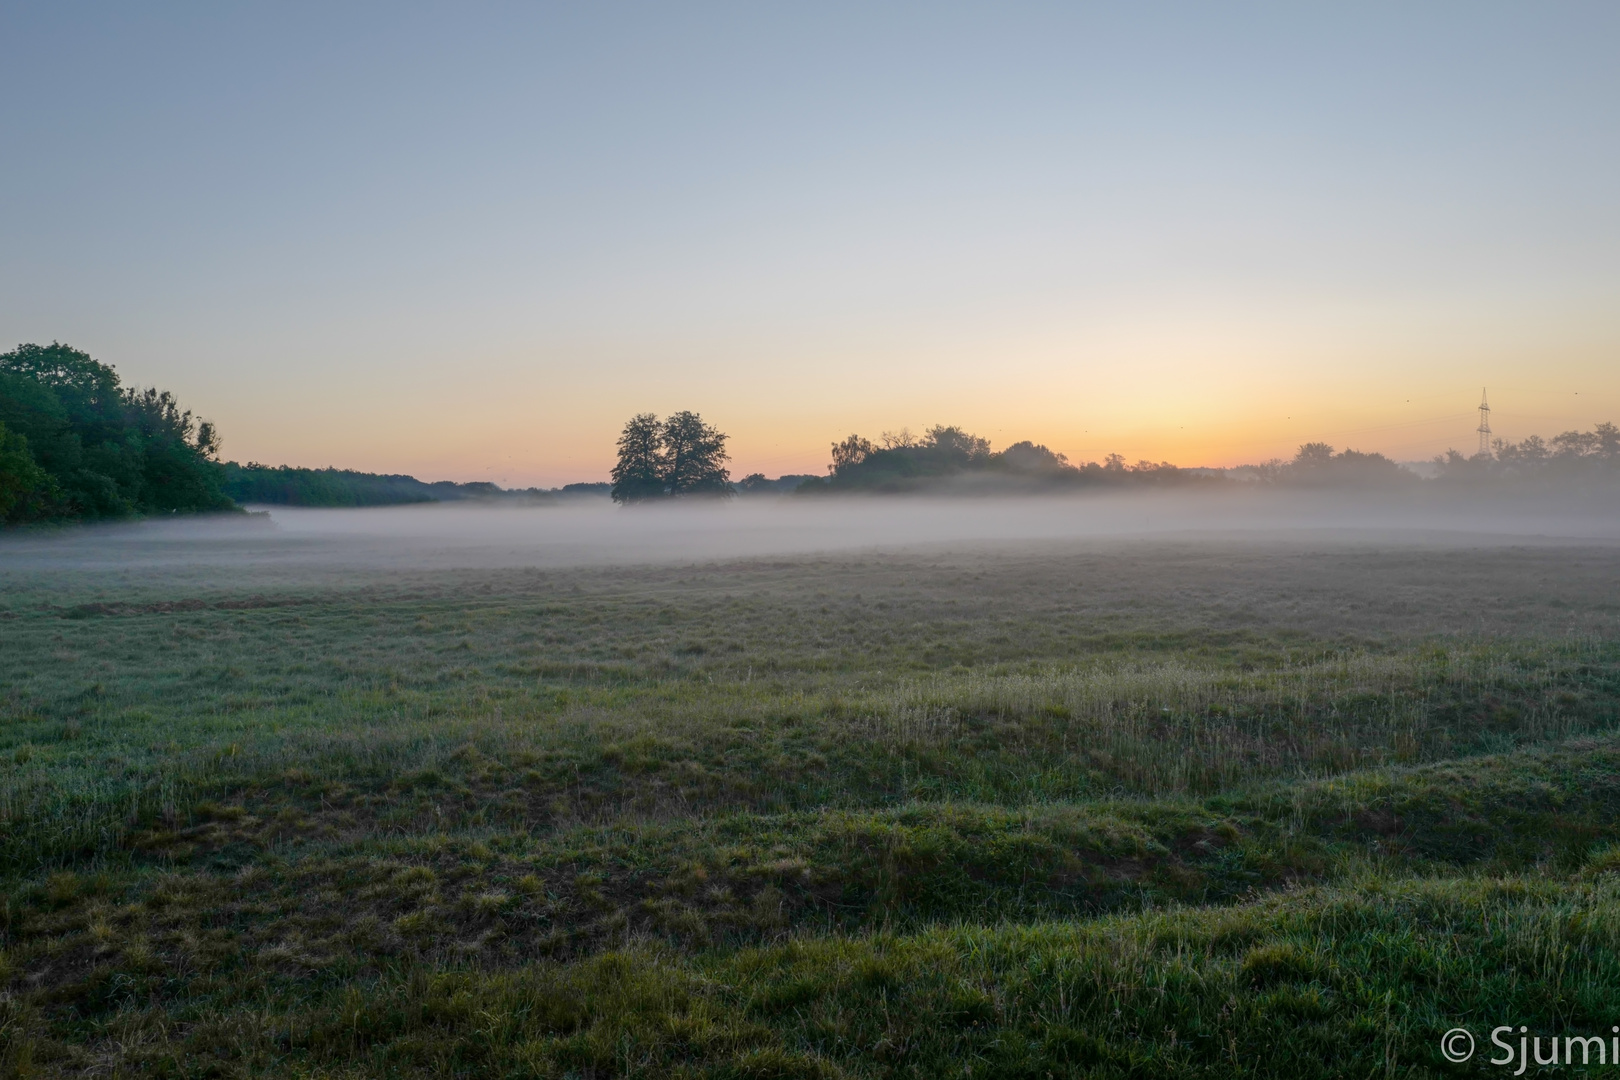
878	817
539	754
1352	980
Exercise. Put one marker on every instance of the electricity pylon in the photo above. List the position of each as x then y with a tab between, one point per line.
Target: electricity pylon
1484	425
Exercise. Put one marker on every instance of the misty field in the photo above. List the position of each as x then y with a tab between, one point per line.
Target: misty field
1145	808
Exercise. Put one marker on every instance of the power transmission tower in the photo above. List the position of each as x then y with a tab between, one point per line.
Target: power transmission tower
1484	425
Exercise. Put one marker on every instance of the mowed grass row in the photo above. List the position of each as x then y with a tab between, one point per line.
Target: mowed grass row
531	756
1356	979
358	897
239	923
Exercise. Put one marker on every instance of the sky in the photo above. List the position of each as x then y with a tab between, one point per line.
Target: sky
467	241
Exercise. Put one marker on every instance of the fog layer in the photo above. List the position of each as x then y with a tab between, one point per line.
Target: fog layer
463	535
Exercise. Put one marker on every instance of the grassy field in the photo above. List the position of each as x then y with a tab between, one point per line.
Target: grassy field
1114	809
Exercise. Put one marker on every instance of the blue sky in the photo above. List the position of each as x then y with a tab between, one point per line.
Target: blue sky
468	240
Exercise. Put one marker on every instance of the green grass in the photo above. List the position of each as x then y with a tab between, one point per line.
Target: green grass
1034	811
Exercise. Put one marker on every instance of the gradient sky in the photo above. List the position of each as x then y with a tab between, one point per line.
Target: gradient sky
467	241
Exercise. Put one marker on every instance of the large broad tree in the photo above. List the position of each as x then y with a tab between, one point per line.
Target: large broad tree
639	475
695	457
680	456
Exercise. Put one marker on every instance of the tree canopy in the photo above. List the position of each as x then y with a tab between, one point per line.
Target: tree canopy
77	445
671	458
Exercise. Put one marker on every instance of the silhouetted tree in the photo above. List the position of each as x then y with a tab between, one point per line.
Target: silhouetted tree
898	440
1315	464
680	456
695	457
639	475
851	452
1313	455
956	446
1029	457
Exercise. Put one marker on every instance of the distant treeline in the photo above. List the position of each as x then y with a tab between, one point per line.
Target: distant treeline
1317	465
944	457
285	485
1574	457
951	459
660	461
76	445
760	484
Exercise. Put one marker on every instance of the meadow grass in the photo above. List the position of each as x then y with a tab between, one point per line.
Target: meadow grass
1039	810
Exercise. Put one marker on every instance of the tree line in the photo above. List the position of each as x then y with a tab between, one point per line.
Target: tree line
1570	457
75	444
287	485
683	456
658	461
901	461
1316	464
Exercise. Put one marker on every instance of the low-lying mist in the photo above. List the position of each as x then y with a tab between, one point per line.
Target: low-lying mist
596	533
